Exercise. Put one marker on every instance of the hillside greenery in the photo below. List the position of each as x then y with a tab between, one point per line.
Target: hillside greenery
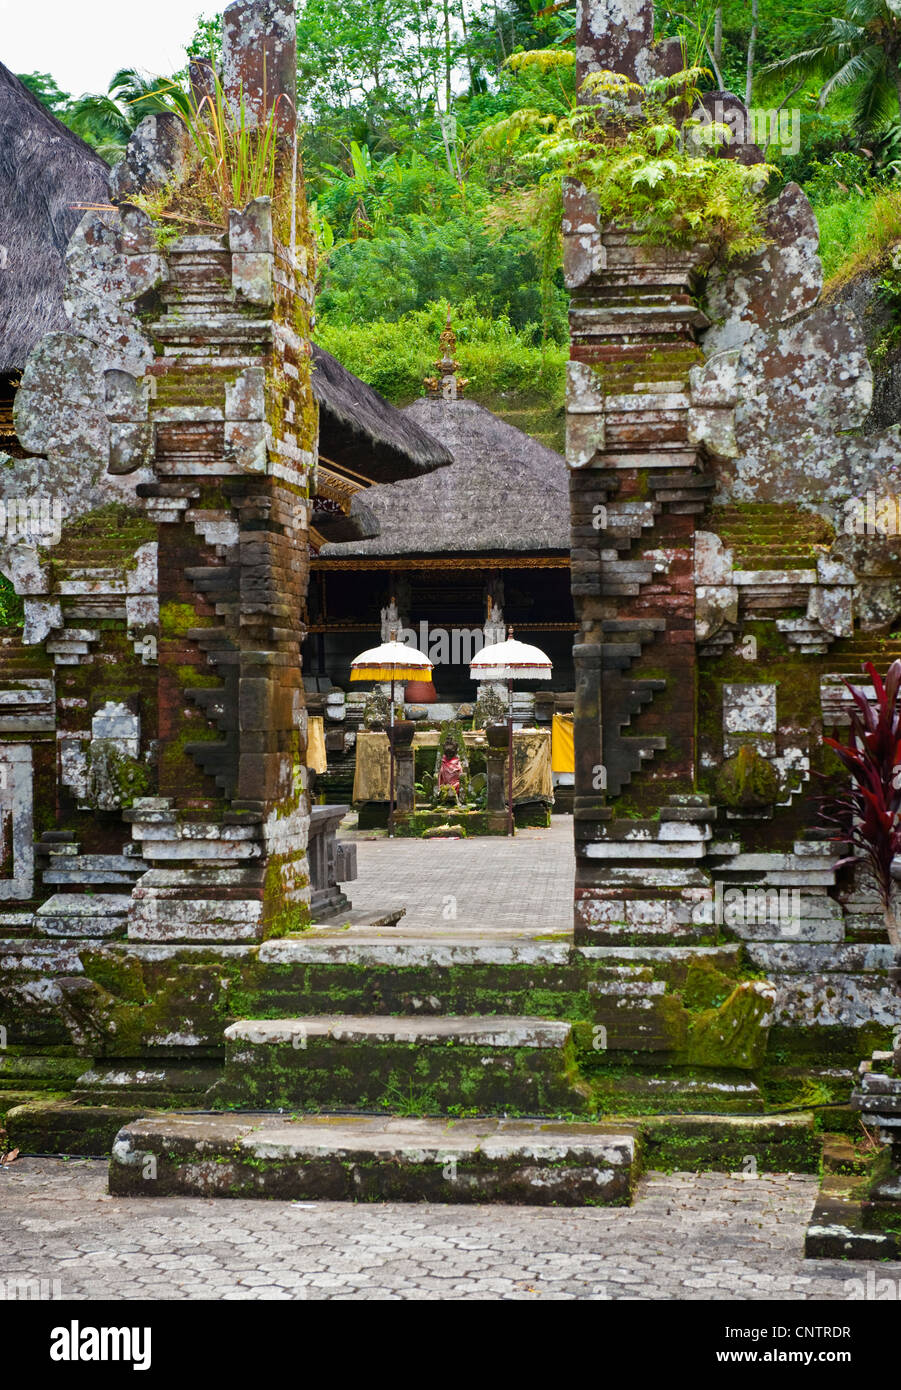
435	136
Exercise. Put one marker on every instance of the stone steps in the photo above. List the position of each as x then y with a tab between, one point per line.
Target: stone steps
157	1084
434	1065
678	1092
37	1071
99	915
384	972
366	1158
773	1143
54	1124
341	1157
844	1226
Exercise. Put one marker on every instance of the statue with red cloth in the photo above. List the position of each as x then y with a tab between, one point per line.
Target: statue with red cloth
451	769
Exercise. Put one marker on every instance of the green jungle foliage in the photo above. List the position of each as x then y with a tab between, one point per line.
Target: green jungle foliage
436	136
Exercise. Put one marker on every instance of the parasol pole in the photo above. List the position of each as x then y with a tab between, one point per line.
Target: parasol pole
391	764
510	827
502	661
390	659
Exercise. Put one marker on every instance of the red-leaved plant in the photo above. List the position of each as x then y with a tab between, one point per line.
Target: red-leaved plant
870	814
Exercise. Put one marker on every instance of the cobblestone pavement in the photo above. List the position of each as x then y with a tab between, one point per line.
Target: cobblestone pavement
708	1236
524	884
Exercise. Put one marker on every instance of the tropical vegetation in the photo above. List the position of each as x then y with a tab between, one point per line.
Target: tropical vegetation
436	136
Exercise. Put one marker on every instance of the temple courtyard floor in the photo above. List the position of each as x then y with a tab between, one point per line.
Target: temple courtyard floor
490	884
688	1236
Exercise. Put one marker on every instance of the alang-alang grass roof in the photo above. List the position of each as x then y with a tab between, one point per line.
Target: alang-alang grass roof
46	172
504	493
360	430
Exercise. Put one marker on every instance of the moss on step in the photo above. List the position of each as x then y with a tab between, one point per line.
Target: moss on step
735	1034
748	1146
56	1125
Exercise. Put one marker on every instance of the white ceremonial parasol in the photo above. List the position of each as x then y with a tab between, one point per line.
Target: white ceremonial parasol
392	661
509	661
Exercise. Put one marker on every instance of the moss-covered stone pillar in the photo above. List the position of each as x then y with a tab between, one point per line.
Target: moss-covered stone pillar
235	431
172	433
638	481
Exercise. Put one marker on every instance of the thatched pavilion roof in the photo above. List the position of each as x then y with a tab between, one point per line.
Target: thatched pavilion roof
360	430
45	172
504	492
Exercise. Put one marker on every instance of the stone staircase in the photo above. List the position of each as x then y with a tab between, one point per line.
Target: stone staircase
532	1069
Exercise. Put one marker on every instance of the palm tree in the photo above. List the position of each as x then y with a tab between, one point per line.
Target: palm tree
862	45
106	120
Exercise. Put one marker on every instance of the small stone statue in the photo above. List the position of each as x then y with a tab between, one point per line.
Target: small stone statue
451	769
390	622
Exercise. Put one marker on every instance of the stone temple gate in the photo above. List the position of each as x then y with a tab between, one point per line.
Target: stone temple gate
717	432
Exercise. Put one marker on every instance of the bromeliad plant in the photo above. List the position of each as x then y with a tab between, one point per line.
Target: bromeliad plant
870	814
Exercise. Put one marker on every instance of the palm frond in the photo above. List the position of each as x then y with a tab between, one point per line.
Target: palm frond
860	65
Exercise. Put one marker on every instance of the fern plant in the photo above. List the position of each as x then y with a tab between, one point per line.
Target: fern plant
652	166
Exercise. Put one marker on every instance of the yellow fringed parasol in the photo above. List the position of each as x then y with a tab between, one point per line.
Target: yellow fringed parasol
392	661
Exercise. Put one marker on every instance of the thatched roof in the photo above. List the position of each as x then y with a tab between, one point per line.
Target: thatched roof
504	492
357	524
45	171
358	429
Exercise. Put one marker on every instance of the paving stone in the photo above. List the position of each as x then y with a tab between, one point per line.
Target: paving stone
745	1239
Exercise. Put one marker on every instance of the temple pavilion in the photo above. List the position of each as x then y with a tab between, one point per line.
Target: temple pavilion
467	548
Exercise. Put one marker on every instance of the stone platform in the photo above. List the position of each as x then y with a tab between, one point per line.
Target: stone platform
366	1158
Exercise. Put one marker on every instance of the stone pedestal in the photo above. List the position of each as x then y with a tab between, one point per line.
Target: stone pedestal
331	862
404	779
495	763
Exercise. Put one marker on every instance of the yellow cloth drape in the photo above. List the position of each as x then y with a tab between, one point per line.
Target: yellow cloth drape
563	757
371	770
532	765
316	756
